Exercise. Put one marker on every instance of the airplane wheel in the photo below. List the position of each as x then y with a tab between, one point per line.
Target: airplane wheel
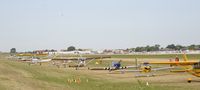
189	80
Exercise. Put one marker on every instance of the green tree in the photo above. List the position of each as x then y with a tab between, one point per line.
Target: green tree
191	47
71	48
12	51
179	47
157	47
148	48
80	49
172	46
137	49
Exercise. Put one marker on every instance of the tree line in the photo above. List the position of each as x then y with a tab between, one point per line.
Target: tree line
157	47
171	47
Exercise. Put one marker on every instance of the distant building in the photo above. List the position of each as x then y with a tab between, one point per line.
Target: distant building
52	51
75	52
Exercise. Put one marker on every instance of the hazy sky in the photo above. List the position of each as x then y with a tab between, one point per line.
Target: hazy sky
98	24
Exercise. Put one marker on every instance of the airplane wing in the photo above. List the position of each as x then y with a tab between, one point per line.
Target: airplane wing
153	69
128	71
98	68
29	54
111	68
178	70
46	60
174	63
131	66
85	58
163	68
103	57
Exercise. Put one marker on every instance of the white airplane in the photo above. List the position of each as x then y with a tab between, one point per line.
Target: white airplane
80	61
37	60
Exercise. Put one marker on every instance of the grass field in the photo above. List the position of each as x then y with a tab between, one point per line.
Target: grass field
20	76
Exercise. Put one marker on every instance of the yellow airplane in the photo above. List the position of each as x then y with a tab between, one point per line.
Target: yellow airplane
192	67
146	68
30	54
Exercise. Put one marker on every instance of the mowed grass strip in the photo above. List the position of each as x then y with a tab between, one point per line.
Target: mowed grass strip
21	76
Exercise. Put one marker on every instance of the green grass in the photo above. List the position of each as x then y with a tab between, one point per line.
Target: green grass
38	77
20	76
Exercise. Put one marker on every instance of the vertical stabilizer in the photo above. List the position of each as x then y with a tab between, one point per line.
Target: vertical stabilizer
185	57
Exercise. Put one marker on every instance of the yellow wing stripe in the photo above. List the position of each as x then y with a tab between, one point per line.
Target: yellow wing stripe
173	63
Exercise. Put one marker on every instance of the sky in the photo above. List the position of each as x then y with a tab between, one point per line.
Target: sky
97	24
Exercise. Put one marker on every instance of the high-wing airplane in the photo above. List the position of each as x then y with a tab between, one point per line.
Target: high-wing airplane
80	61
145	68
113	67
36	61
30	54
32	58
192	67
81	58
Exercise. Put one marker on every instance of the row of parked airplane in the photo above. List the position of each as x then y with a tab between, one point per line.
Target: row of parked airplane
192	67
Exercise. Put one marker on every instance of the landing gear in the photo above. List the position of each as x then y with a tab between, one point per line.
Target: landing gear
189	80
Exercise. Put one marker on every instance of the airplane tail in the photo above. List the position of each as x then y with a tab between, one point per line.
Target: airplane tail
185	57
